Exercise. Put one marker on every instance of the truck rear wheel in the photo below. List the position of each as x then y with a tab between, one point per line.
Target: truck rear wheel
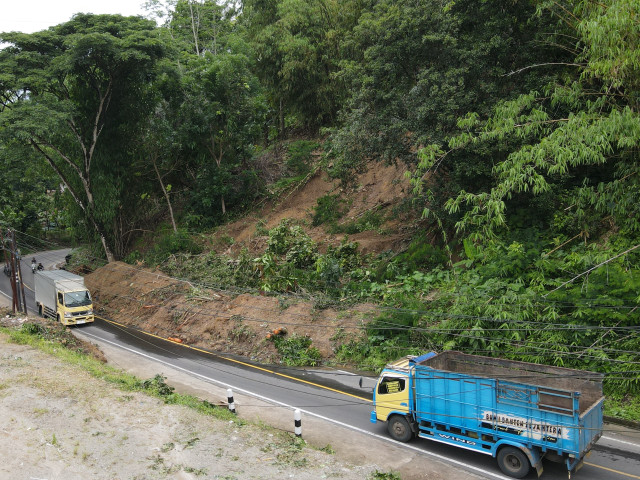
399	428
513	462
40	312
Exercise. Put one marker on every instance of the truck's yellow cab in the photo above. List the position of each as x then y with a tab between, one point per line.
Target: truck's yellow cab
75	307
392	390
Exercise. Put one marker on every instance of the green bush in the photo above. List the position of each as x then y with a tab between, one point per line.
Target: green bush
133	257
419	256
328	272
157	386
329	209
292	241
370	220
171	244
378	475
296	350
33	329
299	161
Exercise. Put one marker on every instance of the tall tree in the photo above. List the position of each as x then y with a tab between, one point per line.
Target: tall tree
296	47
24	182
74	86
220	122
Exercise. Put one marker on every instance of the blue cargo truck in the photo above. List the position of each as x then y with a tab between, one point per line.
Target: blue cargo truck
517	412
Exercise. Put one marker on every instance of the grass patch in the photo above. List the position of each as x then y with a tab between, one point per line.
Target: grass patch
329	209
378	475
300	156
156	386
370	221
624	407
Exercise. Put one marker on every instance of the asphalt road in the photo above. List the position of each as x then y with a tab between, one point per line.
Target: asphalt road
49	260
335	396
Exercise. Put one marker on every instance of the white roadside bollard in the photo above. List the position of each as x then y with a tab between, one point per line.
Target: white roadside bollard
232	405
297	420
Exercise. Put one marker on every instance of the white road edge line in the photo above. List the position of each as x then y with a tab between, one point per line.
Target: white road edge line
620	441
267	399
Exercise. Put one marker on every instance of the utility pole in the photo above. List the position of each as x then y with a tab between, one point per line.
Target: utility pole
11	263
19	271
8	265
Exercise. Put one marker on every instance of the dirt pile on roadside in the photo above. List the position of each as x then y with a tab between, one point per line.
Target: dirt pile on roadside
242	325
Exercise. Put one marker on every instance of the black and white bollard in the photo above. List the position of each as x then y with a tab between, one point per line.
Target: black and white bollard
232	405
297	420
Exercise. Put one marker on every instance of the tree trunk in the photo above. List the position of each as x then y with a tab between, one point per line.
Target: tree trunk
281	119
164	191
194	28
88	208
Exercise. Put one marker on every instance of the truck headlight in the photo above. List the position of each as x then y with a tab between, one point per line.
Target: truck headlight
89	312
67	315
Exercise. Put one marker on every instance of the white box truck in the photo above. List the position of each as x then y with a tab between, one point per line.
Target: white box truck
62	295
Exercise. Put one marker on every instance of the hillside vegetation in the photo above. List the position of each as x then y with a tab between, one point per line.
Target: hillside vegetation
466	174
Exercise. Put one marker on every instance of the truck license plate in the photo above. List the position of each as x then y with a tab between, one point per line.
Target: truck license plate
80	321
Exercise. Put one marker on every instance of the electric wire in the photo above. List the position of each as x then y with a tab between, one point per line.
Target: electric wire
354	402
541	299
431	329
395	327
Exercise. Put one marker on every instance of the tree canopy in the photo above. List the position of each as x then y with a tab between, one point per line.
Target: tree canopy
579	133
77	93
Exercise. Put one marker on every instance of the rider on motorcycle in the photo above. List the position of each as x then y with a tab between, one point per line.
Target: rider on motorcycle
33	265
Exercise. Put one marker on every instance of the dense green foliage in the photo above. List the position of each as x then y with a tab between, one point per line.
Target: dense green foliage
518	122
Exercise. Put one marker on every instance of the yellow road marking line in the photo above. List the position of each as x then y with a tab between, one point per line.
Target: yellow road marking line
255	367
612	470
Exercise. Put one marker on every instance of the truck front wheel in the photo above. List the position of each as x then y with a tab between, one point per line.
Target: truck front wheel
513	462
399	428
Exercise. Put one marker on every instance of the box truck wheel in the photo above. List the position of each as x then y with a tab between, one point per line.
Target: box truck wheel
513	462
40	312
399	428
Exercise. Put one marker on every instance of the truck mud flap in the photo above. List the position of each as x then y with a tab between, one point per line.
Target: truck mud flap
574	465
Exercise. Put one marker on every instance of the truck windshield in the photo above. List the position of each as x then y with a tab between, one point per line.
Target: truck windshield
77	299
391	385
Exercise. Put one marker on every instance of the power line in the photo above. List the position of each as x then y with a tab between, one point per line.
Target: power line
238	290
396	327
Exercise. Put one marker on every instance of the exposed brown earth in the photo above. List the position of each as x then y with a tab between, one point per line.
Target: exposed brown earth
241	324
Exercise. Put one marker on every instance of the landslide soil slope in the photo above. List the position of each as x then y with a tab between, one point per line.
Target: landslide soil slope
241	324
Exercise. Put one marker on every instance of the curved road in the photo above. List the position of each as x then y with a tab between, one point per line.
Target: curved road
335	396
